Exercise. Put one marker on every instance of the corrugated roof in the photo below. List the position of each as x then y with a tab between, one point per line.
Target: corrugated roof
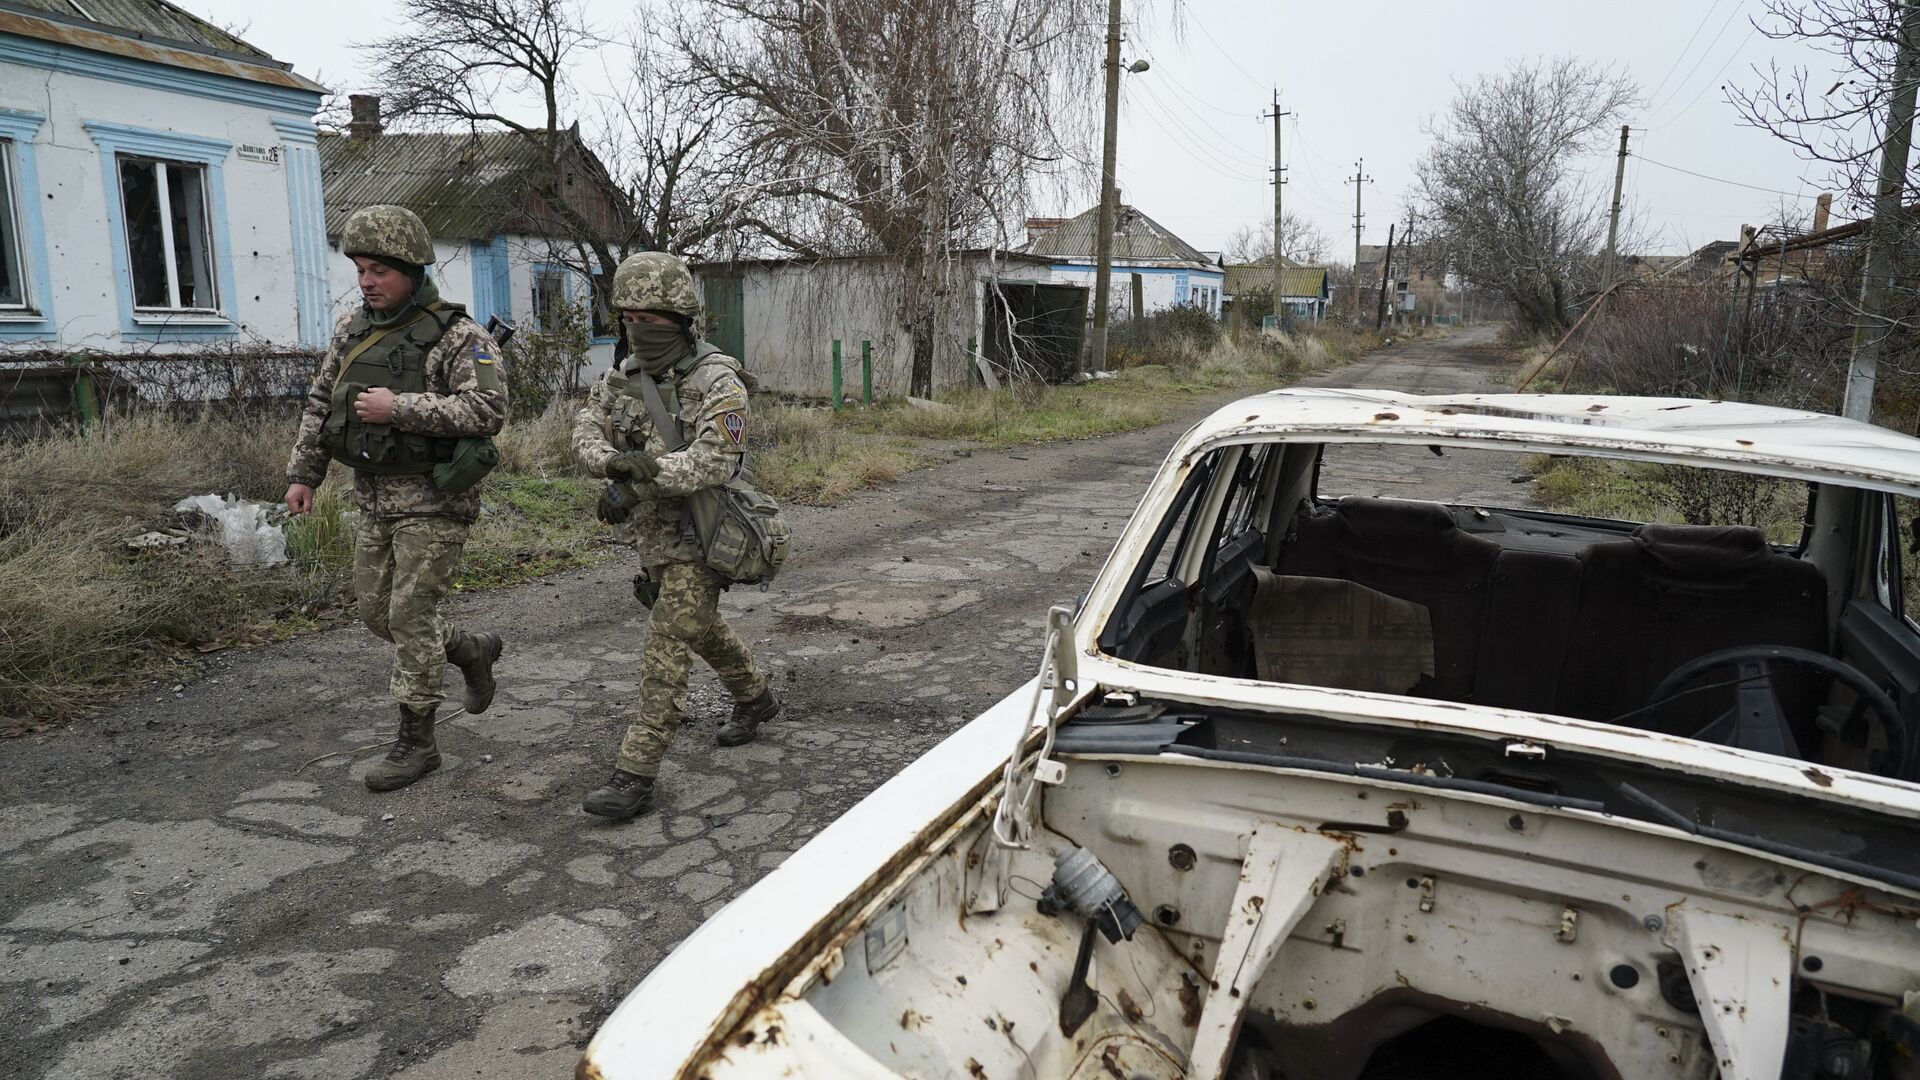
463	186
1257	277
147	18
1135	236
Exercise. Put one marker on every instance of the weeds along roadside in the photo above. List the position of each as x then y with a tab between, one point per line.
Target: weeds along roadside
82	615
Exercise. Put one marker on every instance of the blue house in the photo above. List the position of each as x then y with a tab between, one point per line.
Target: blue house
159	188
1172	272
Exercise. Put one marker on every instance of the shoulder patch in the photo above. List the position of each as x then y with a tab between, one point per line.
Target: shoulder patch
735	425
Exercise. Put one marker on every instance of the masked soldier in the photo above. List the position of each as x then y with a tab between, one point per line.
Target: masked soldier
701	392
408	392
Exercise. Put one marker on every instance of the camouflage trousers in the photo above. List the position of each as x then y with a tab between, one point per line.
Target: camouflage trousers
402	569
686	619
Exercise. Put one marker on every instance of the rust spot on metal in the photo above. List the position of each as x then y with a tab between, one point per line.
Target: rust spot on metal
1130	1008
1817	777
962	979
976	1070
745	1038
773	1035
1110	1061
910	1020
1596	408
1386	416
586	1069
1189	1002
128	45
1744	442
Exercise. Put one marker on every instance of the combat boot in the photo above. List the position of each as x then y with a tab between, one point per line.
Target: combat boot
474	655
413	756
747	717
622	796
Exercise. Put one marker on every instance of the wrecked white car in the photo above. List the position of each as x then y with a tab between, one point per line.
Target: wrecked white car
1320	785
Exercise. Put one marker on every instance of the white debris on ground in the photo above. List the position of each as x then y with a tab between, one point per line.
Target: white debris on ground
243	527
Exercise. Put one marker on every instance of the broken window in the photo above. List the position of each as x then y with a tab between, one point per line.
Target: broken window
13	280
169	242
549	294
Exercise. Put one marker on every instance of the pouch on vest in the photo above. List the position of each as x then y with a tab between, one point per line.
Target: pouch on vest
473	458
741	534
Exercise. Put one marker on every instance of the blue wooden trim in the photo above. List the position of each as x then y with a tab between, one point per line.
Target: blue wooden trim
19	129
566	276
30	52
117	139
307	219
300	132
492	288
1147	271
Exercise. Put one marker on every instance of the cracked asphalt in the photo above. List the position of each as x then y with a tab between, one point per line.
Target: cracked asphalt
191	887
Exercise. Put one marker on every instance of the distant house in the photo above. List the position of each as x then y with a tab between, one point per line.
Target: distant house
1305	290
499	249
1173	272
159	189
782	317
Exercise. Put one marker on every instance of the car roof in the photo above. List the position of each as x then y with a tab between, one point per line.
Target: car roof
1720	434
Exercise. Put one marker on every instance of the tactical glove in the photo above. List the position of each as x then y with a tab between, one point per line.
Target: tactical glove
616	505
635	465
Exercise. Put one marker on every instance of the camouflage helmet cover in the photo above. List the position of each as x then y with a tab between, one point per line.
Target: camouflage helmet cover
654	281
387	232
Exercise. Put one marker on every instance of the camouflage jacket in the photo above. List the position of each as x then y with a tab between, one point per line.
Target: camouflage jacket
455	407
712	399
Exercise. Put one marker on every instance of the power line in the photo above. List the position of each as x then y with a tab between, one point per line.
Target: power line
1708	51
1723	180
1201	23
1711	83
1675	66
1190	144
1225	150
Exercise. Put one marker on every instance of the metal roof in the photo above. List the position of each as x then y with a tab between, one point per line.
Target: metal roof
1136	237
1305	281
147	18
1729	435
463	186
150	30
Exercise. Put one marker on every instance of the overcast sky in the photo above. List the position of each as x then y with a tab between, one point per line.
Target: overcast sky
1363	79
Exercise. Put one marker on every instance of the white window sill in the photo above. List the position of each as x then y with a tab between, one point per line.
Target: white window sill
20	315
180	318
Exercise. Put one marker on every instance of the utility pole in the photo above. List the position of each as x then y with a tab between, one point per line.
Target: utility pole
1613	218
1386	272
1103	243
1870	329
1279	238
1406	254
1358	179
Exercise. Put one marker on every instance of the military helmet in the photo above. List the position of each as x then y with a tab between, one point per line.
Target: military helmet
391	233
654	281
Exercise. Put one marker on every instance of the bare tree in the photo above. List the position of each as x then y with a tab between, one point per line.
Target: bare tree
912	129
657	170
1302	241
1499	190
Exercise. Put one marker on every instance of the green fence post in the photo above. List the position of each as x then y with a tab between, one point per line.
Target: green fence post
86	397
866	373
836	373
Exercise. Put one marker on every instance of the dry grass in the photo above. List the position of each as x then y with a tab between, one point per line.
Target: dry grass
80	614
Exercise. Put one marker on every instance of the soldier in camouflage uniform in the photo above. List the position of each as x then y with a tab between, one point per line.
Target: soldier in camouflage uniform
705	392
406	378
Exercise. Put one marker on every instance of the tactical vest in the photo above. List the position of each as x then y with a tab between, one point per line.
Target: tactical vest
394	357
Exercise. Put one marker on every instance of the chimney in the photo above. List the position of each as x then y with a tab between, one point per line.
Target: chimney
1822	209
365	123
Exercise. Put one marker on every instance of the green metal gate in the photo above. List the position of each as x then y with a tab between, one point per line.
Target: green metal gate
726	315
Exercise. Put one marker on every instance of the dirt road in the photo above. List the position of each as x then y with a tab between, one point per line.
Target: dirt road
186	892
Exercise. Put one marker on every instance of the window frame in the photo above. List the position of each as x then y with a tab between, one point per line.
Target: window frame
12	226
535	294
169	239
32	320
143	324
